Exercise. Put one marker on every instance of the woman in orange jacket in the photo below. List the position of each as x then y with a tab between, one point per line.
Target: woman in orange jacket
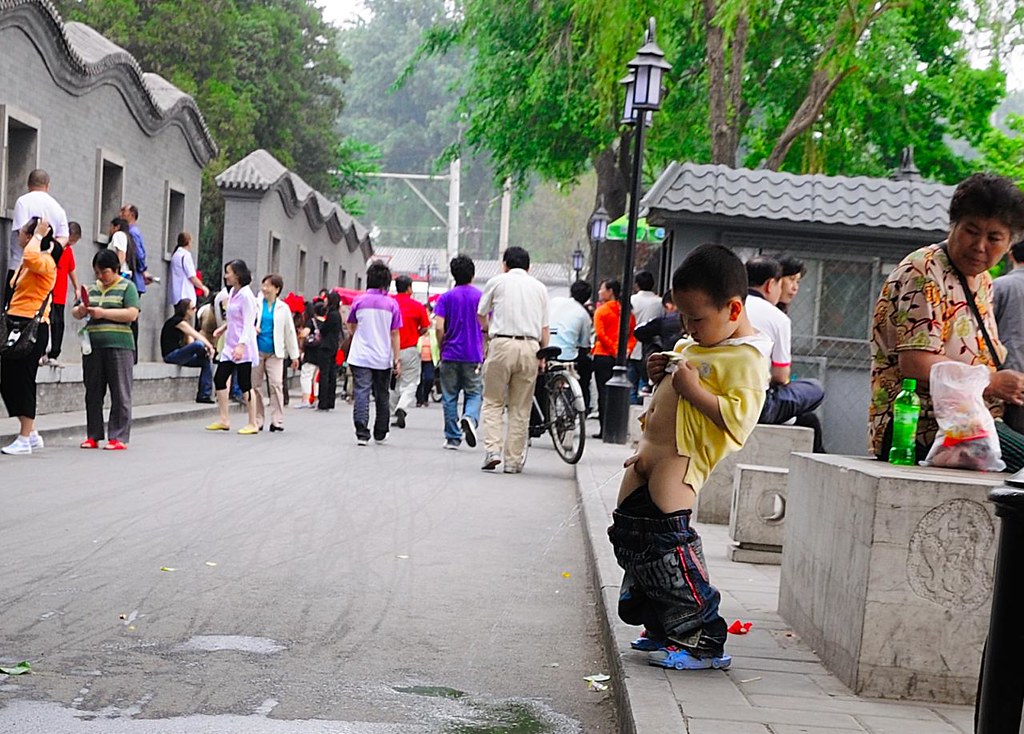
606	340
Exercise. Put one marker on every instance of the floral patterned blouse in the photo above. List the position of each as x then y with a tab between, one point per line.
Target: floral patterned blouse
923	307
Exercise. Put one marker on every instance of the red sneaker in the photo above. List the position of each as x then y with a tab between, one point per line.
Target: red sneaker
89	443
115	445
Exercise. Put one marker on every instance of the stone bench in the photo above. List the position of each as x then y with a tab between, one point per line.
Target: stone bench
887	573
767	446
757	517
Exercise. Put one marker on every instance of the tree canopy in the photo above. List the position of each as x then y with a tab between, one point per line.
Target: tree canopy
832	86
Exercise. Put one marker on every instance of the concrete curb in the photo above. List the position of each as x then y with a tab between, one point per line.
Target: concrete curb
644	699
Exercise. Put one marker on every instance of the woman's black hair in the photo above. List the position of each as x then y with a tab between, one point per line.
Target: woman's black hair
241	271
614	286
181	307
333	301
990	196
106	260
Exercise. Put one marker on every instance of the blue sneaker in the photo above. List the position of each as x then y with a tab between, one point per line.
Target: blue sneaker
647	644
675	657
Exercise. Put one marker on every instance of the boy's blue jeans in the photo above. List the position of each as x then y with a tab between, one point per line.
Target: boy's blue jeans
665	586
466	377
194	355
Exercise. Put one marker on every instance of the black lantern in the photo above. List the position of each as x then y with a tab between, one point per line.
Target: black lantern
598	233
577	261
647	67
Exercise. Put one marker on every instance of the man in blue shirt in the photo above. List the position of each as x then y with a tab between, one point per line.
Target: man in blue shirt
573	331
141	276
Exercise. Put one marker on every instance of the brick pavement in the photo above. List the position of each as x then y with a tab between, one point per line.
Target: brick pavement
776	684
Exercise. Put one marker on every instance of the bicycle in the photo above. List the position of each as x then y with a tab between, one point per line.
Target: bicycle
558	406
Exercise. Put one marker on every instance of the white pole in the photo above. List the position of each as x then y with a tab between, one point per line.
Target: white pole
454	197
506	215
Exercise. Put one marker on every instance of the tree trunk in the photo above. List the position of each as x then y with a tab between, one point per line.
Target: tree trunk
613	173
725	91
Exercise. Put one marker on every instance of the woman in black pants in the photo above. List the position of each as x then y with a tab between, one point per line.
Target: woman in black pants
30	288
330	340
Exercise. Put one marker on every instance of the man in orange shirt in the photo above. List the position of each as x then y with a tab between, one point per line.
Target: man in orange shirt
415	322
606	340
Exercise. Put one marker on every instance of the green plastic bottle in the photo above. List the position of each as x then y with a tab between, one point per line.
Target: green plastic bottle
905	411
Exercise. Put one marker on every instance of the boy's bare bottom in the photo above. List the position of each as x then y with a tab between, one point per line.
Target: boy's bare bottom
657	462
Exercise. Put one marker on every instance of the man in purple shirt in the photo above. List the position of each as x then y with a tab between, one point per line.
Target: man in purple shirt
373	322
462	353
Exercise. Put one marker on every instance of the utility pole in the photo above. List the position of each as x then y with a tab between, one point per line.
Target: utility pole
454	195
506	216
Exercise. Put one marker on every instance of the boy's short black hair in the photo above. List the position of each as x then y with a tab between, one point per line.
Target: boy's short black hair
378	275
403	284
580	291
715	271
516	257
761	269
463	269
644	281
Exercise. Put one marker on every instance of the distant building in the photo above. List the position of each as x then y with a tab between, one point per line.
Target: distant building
79	106
278	224
850	232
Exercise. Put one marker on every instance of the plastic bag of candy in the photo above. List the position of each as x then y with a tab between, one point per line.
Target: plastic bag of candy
967	432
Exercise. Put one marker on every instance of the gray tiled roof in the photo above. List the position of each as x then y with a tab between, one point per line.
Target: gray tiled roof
689	188
90	59
260	172
406	260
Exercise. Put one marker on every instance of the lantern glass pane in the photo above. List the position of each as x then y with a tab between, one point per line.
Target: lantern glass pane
641	91
654	93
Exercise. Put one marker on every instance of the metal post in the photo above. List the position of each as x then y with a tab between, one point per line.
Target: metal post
594	274
506	217
1001	687
616	423
454	197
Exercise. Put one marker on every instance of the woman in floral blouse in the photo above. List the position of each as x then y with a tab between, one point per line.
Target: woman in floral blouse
923	316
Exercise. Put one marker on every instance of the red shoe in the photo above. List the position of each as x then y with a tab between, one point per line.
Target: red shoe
89	443
115	445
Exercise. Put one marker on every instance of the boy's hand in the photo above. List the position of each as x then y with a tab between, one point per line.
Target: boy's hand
656	364
685	380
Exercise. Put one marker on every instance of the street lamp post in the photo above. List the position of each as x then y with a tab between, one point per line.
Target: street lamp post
426	270
643	98
598	233
577	261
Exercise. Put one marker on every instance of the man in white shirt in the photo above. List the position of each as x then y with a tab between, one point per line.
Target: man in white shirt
514	312
786	399
646	306
37	202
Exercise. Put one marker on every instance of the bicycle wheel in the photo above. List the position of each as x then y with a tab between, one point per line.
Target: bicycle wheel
567	424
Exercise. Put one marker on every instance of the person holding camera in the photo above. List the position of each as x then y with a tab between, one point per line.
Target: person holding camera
30	292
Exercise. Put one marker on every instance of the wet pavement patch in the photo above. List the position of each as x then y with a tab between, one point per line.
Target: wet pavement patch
504	718
430	691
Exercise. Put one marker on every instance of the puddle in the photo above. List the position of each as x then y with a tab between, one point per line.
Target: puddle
430	691
238	643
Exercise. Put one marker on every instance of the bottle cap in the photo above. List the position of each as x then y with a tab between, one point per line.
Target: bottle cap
910	384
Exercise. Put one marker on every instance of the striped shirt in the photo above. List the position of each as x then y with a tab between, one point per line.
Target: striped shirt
106	334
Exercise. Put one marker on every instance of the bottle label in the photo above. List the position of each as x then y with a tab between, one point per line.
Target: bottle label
904	428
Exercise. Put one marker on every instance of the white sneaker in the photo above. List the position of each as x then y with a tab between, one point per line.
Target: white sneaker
381	441
36	441
18	447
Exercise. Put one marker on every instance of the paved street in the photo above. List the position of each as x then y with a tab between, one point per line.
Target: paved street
293	582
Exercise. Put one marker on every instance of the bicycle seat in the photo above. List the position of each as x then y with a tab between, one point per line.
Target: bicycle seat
549	352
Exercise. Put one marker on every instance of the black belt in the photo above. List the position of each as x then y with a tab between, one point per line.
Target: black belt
517	337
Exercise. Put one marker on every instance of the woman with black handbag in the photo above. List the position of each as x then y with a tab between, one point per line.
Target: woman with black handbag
27	332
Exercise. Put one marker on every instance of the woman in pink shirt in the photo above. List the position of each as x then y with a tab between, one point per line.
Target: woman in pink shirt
240	352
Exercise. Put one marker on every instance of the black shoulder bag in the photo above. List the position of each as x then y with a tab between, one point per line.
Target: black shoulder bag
973	305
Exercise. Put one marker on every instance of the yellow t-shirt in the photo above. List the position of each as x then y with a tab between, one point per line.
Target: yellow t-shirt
736	370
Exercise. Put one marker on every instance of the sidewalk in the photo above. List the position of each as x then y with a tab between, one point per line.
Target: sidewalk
776	685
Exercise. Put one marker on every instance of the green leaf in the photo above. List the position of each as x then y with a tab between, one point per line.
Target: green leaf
21	668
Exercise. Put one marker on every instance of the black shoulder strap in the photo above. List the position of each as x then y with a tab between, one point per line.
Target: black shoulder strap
972	303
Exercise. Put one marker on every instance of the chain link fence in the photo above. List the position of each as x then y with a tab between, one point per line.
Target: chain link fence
831	331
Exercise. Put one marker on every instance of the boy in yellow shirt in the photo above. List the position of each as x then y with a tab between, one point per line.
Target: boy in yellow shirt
709	395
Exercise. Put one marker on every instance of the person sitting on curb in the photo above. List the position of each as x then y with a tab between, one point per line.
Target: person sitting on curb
182	345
